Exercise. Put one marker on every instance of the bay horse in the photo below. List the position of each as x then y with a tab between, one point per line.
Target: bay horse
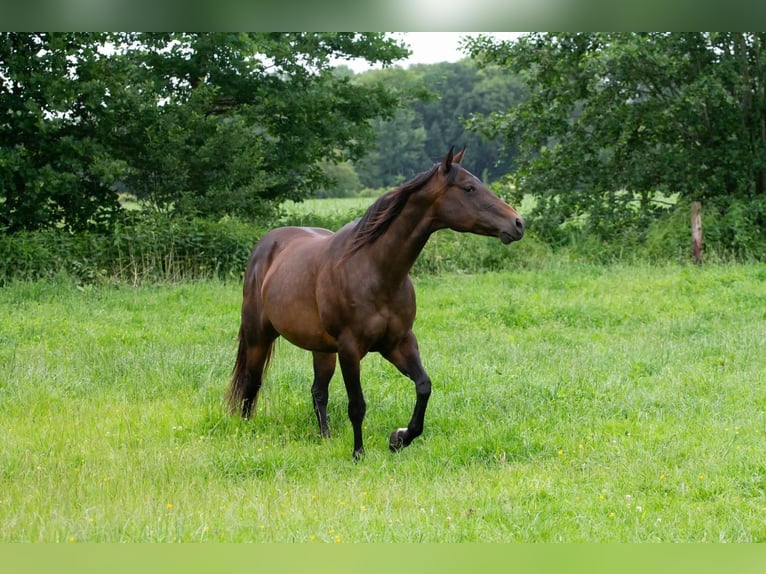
349	293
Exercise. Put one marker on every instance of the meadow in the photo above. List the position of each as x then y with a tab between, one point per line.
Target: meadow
571	402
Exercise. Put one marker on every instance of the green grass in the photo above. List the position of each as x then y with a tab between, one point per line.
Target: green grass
570	403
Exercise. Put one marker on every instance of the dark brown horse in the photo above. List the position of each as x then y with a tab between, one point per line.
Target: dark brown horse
348	293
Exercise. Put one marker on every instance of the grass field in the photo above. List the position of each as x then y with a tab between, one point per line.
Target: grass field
571	403
328	206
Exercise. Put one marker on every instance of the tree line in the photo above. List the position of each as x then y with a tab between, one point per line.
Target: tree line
441	98
437	99
609	133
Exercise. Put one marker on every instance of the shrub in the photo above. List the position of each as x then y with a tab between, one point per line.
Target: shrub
145	247
149	247
733	229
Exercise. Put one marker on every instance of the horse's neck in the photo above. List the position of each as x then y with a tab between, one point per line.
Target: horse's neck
395	252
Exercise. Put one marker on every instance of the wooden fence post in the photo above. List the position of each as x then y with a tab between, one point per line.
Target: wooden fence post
697	232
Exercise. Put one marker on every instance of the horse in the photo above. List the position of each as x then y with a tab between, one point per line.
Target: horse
343	295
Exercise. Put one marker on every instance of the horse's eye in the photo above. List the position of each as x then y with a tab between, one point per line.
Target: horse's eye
469	188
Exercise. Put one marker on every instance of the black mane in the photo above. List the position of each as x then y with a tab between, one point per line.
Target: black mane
386	208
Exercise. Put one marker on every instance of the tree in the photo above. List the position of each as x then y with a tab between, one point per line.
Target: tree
440	99
343	180
615	119
260	110
206	123
399	153
61	108
462	90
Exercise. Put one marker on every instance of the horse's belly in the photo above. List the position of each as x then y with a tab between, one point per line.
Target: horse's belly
294	315
310	339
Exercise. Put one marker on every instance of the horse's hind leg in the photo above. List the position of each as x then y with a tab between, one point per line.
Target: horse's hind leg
324	368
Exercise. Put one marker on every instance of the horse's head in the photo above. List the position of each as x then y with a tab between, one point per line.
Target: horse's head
465	204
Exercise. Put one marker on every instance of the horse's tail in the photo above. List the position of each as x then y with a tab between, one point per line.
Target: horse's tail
246	378
240	379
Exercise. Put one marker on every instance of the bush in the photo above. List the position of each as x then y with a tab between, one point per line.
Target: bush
142	248
333	218
736	227
451	252
733	229
148	247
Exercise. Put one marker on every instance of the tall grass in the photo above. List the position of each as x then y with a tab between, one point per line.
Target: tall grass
571	402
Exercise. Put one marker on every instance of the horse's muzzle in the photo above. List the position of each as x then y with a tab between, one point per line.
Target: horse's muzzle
515	232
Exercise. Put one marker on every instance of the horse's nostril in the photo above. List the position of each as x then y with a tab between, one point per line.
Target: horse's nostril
519	224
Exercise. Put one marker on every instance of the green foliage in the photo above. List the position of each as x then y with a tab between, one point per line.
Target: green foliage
151	247
200	124
440	99
399	153
736	226
342	180
63	103
257	113
731	230
329	214
144	248
614	119
463	89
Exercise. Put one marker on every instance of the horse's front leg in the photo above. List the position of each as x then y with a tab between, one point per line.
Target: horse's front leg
406	357
349	359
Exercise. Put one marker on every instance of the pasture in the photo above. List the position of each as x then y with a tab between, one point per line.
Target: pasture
570	403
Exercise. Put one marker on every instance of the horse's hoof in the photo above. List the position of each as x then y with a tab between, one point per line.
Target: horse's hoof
396	442
358	455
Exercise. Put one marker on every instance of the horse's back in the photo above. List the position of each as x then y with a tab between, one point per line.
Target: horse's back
281	237
274	242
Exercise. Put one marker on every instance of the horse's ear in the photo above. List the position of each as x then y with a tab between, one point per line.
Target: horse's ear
458	156
447	162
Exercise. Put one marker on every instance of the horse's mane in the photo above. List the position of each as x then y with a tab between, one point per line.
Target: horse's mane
386	208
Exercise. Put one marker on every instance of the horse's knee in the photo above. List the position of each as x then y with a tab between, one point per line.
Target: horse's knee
423	387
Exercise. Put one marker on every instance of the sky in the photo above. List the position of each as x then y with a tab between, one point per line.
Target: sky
431	47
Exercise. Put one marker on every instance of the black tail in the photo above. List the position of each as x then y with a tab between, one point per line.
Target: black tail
241	383
256	336
239	377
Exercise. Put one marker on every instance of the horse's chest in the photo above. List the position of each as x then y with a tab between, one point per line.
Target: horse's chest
363	307
384	326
